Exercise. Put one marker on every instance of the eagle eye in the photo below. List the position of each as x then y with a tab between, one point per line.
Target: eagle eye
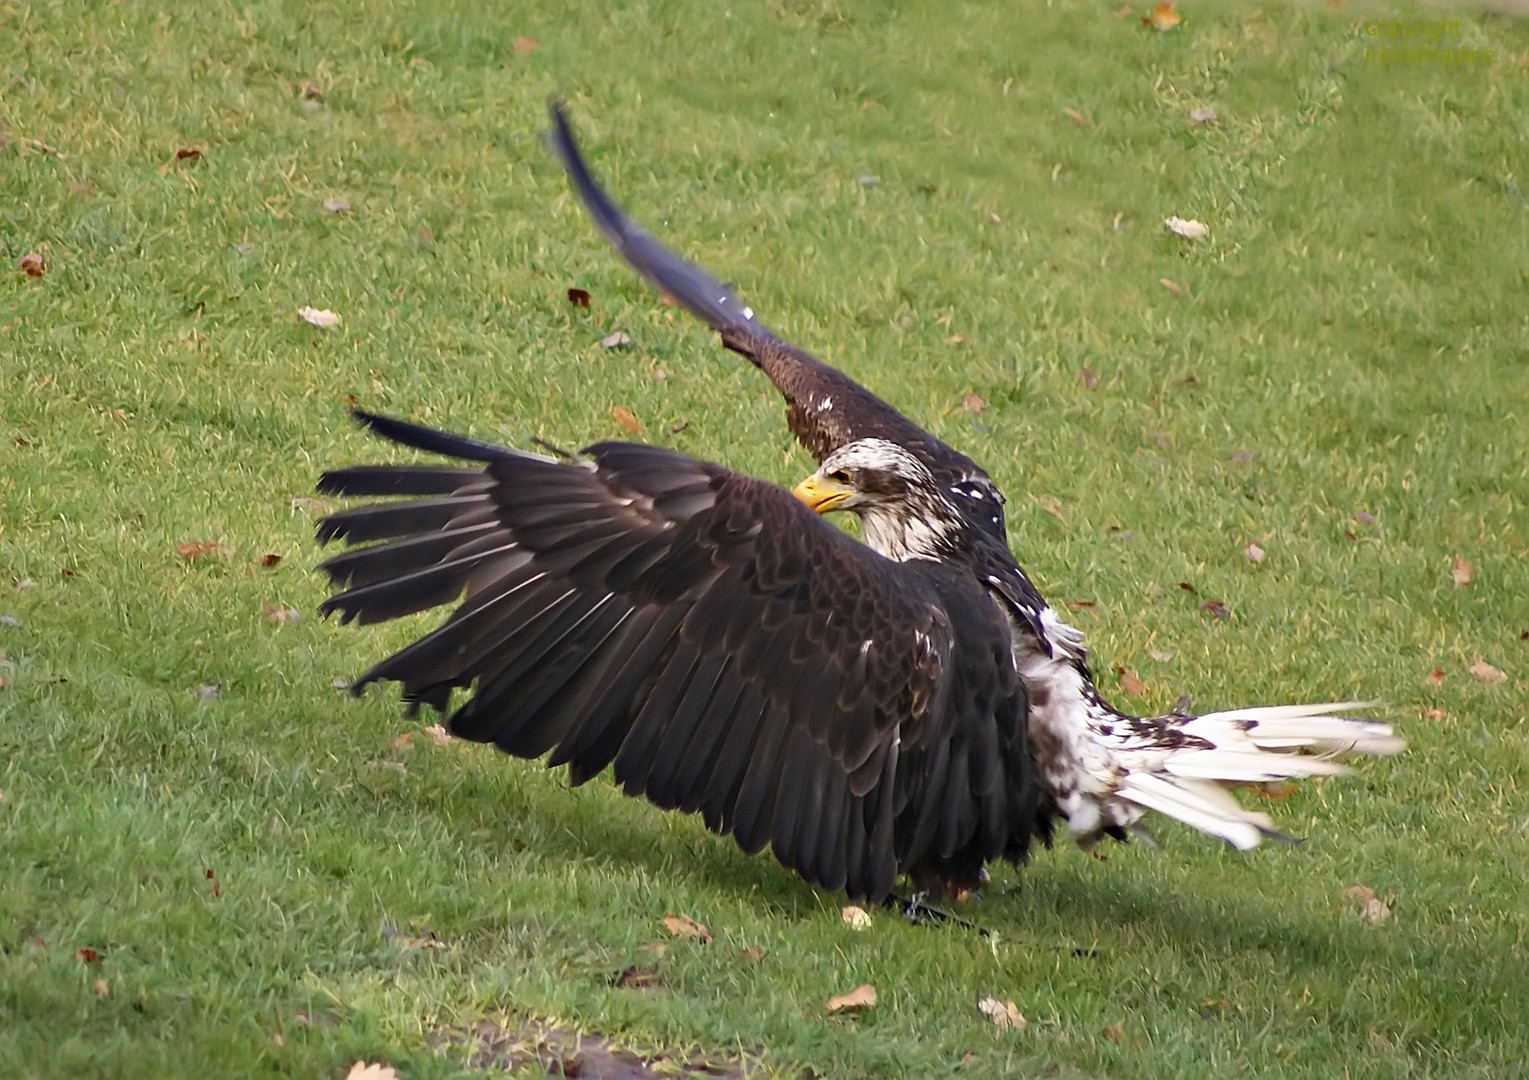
840	476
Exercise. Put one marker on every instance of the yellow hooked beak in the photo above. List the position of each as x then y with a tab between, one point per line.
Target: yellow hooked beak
822	494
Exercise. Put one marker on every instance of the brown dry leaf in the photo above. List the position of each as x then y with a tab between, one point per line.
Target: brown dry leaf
322	318
1159	655
1461	571
1486	672
32	264
270	560
957	339
280	614
1115	1033
525	46
1076	117
1215	607
404	741
973	403
190	153
861	997
855	917
437	733
1090	380
1130	682
683	926
1005	1015
100	989
752	955
1162	18
362	1071
625	418
1434	677
1188	229
614	340
1435	714
1081	605
192	550
1371	907
1173	286
217	886
1253	552
578	297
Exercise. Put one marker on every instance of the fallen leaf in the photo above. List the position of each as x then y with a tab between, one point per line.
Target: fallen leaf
1172	286
217	886
525	46
1080	605
1130	682
1187	587
279	613
578	297
1189	230
363	1071
1203	116
1005	1015
189	153
100	989
1090	380
33	265
1434	677
973	403
192	550
87	954
438	734
321	318
1486	672
855	917
1076	117
1371	907
1364	517
1461	571
675	429
337	206
635	977
205	693
958	339
752	954
683	926
403	742
1435	714
1215	607
1160	656
861	997
614	340
625	418
1253	552
270	560
1115	1033
1162	18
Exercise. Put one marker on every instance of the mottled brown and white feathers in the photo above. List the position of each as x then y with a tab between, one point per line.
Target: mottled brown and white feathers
720	646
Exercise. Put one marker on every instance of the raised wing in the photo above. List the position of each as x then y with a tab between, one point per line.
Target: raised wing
824	407
718	643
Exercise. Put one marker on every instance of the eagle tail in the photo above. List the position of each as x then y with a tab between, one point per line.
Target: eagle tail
1183	765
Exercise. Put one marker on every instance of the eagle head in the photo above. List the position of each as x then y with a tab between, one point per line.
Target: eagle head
906	512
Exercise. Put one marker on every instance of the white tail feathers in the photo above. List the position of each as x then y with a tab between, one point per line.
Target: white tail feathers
1285	742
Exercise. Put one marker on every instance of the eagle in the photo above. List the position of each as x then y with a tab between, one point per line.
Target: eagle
905	704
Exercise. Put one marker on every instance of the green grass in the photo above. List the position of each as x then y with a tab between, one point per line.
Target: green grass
1354	339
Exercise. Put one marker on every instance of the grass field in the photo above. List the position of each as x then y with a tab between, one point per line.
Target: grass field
213	863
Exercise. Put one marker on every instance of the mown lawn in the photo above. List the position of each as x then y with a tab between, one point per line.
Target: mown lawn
213	863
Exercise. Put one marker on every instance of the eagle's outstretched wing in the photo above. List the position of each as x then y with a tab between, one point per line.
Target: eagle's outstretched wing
824	407
720	644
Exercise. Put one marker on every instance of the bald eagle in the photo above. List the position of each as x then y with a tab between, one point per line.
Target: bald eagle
909	705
